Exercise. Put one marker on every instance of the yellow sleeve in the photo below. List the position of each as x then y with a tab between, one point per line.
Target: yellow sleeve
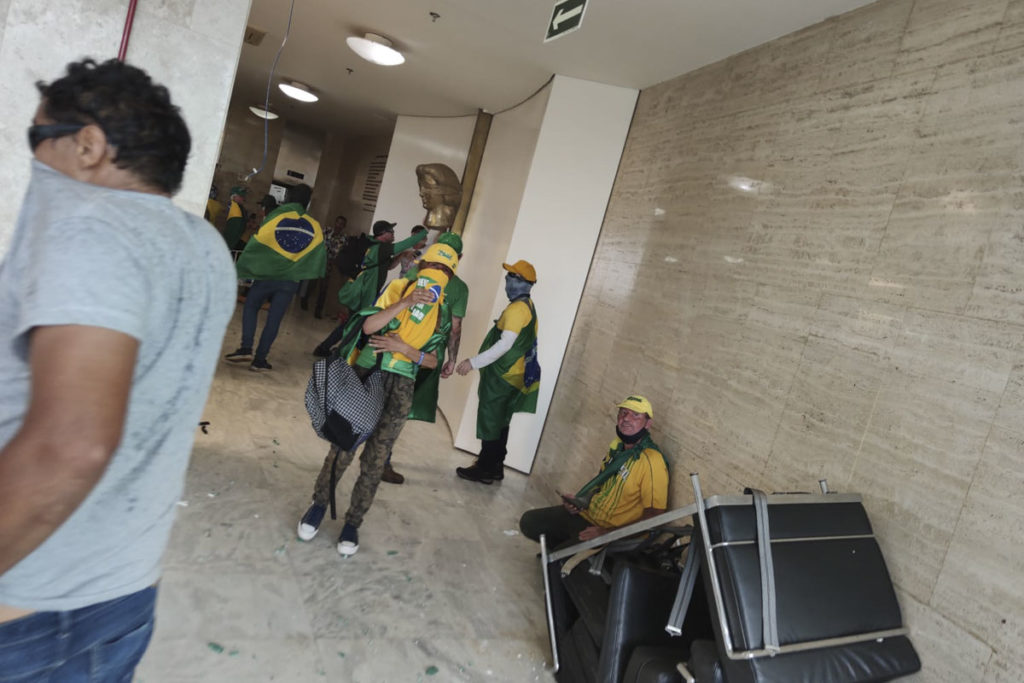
393	293
515	317
654	481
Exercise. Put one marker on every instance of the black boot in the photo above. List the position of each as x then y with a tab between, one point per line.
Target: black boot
475	473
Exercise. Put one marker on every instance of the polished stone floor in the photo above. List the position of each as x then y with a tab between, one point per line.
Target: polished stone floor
443	587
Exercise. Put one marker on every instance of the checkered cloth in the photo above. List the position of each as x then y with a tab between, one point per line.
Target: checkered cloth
344	410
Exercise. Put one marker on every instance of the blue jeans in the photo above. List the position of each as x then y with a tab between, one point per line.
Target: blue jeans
280	293
101	643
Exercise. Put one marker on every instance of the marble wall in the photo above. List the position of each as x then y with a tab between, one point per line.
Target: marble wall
190	46
812	263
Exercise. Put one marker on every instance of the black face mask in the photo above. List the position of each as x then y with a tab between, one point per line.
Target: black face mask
630	440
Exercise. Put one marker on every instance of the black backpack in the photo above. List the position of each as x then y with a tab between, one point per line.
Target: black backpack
349	260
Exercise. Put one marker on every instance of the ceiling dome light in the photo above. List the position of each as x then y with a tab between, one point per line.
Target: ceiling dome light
259	111
298	91
376	49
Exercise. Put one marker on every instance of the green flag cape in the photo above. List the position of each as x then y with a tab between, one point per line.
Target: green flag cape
288	246
361	292
502	391
428	380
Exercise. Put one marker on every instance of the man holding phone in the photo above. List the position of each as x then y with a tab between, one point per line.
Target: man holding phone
632	485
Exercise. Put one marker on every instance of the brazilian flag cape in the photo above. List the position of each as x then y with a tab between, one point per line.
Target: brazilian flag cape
288	246
502	391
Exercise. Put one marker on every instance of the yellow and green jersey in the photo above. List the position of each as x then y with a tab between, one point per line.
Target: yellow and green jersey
640	483
235	225
416	326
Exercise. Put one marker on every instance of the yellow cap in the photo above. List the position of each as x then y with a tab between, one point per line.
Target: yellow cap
523	269
441	253
638	404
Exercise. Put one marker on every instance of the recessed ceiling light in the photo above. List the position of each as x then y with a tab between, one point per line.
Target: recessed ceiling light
376	49
259	111
298	91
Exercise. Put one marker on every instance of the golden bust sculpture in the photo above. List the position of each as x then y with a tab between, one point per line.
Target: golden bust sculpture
441	193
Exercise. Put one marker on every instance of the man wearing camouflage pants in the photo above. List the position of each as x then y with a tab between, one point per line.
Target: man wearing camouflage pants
404	329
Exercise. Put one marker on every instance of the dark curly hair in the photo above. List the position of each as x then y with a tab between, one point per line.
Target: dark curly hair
136	115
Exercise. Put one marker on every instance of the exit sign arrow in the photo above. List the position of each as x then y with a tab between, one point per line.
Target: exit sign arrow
566	18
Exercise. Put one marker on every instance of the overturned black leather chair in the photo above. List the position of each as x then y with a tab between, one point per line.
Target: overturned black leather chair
784	588
609	612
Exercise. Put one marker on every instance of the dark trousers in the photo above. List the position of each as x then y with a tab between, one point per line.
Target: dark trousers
492	452
101	643
280	293
321	295
559	526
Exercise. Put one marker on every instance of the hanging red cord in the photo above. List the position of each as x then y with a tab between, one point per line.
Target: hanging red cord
127	33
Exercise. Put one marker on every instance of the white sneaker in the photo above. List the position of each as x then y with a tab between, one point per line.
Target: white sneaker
310	522
348	541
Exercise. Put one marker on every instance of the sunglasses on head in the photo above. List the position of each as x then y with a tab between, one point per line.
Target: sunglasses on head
46	131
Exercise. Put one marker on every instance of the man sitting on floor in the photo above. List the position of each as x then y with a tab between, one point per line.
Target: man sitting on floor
632	485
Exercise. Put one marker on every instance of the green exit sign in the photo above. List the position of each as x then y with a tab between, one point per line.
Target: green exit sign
566	18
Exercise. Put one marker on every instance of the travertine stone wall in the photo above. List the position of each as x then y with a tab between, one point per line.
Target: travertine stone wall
813	264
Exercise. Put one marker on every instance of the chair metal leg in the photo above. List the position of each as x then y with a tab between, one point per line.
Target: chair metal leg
547	602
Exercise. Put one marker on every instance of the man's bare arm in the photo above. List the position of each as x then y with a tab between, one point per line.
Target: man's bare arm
453	347
81	381
378	320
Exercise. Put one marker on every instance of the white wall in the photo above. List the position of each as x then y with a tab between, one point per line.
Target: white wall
567	190
488	233
300	152
37	39
419	140
348	197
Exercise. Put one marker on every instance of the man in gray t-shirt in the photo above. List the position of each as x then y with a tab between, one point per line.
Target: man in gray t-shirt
113	306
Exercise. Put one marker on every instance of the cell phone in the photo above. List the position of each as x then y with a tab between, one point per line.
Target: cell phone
574	501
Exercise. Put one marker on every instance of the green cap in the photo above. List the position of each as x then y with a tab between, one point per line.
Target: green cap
240	190
452	240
